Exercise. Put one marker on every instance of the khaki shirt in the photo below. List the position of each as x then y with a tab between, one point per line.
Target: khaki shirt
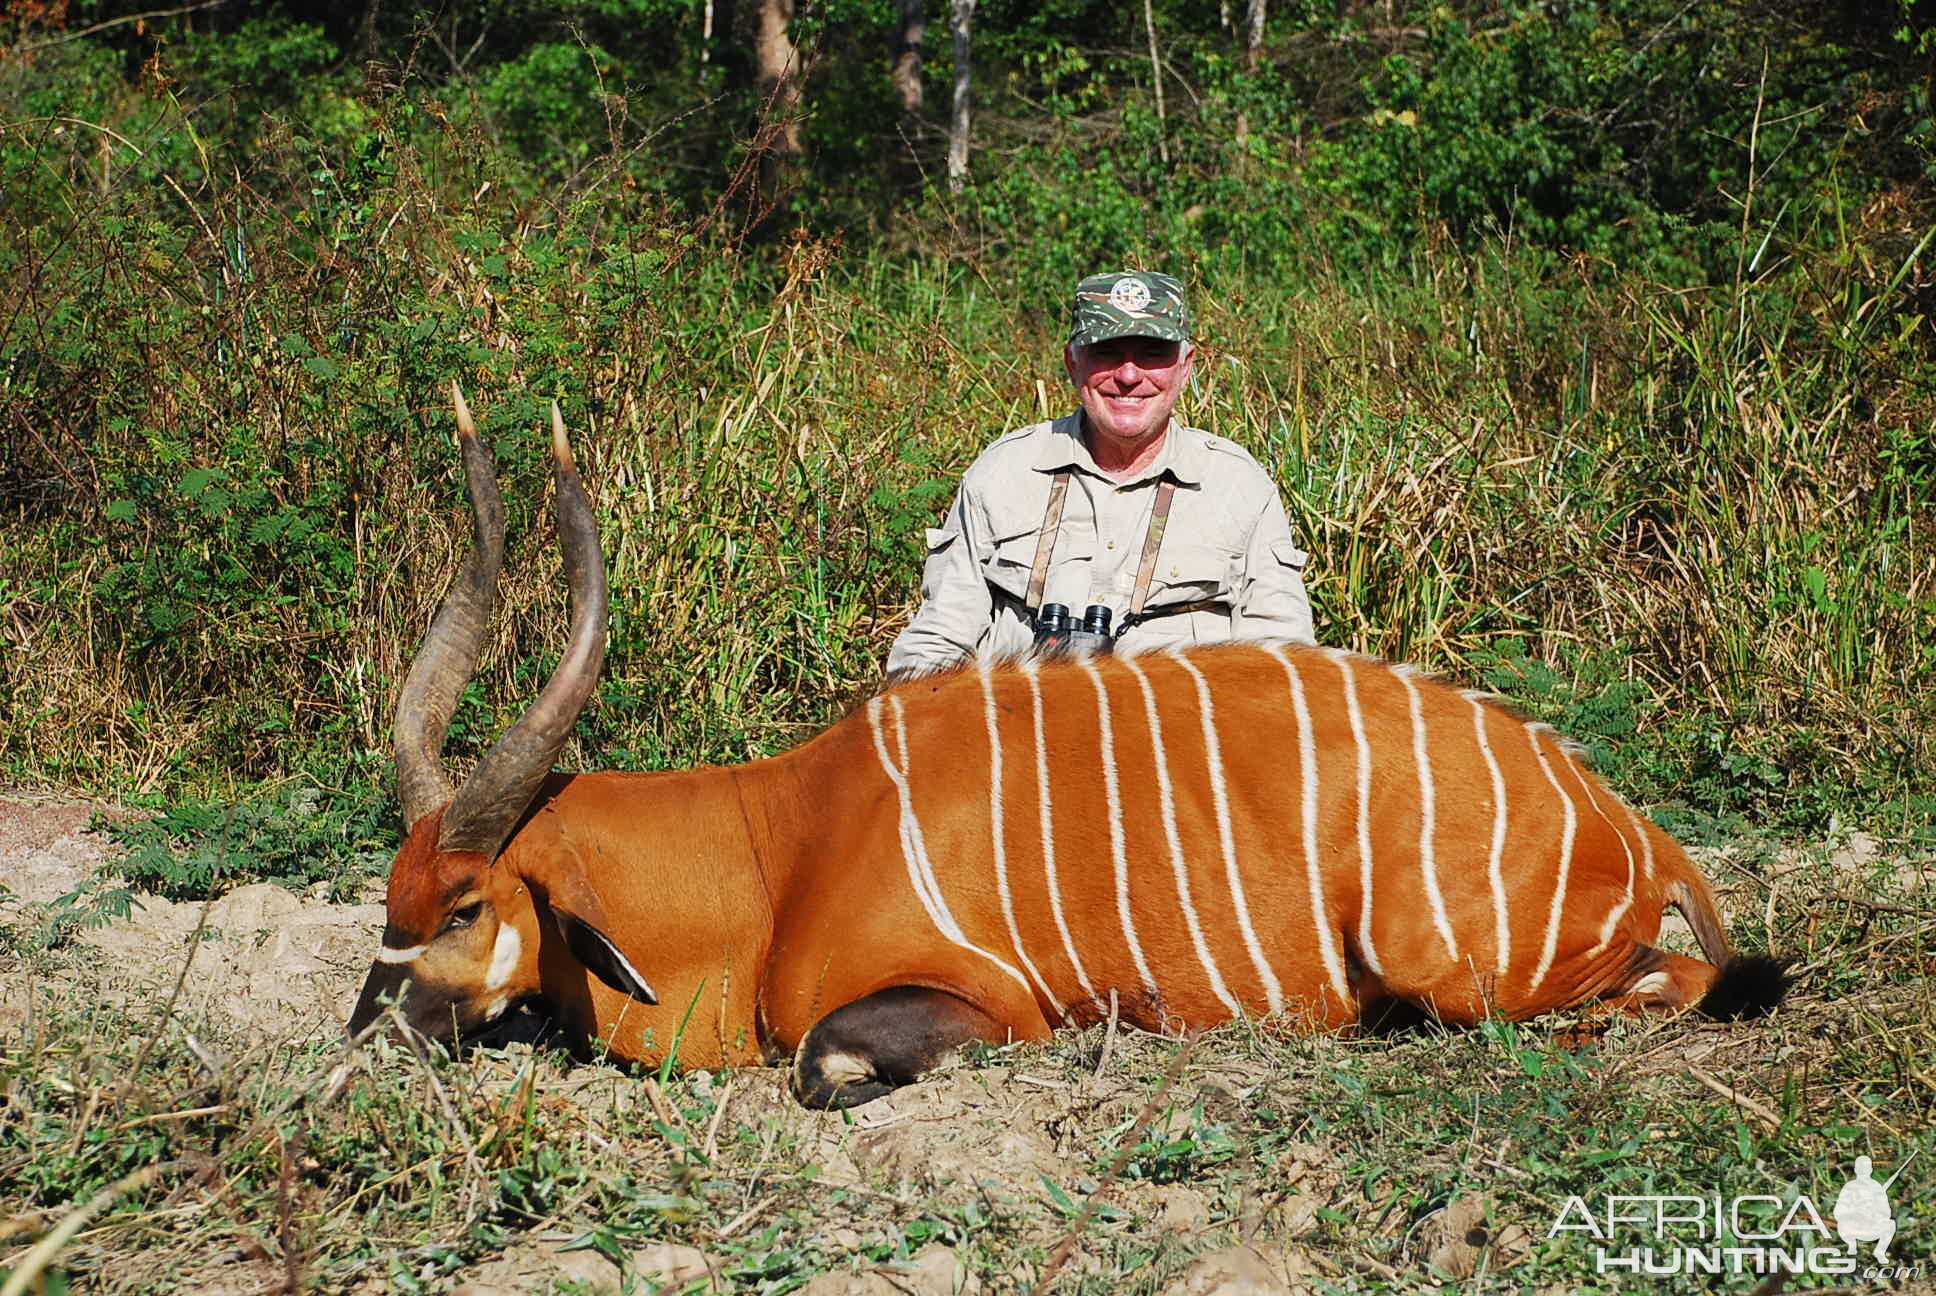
1227	539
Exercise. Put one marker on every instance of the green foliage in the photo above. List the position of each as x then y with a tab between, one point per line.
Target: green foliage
547	105
54	926
1624	128
1185	1147
1710	777
262	62
268	538
529	1192
296	835
1613	130
52	1282
1685	473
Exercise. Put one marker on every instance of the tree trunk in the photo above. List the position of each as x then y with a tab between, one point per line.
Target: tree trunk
907	57
1156	79
958	27
777	63
1253	45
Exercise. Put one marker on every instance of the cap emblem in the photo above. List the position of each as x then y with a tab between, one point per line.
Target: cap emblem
1130	296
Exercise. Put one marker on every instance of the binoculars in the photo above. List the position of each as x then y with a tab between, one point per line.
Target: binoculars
1059	634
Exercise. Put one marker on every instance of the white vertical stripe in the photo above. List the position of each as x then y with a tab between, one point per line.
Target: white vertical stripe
1029	670
1502	926
914	850
1118	846
998	834
1307	757
1365	889
1428	860
1167	799
1569	827
906	823
1220	799
1619	910
952	929
1646	844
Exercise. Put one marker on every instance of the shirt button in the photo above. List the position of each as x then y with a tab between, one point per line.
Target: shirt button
1110	545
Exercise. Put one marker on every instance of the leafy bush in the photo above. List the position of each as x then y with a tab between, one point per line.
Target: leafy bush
1687	478
548	103
296	834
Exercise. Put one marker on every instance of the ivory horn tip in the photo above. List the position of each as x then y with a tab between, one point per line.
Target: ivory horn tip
466	429
560	446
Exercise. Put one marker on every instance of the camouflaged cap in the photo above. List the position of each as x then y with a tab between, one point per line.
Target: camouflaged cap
1129	303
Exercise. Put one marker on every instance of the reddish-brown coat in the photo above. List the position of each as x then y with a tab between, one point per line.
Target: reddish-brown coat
756	900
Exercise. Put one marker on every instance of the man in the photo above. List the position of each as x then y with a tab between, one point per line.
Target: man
1178	533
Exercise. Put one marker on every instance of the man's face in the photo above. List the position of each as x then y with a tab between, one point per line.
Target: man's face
1127	387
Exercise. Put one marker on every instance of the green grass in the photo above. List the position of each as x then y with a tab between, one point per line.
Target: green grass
1696	495
285	1162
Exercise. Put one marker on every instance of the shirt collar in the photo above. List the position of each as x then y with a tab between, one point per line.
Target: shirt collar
1181	456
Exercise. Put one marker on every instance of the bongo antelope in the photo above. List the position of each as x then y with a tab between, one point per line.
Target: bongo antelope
1267	830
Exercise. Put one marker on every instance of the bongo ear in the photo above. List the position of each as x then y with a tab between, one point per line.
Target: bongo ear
592	947
587	933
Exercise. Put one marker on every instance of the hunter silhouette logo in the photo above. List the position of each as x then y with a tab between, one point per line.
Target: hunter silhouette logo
1862	1209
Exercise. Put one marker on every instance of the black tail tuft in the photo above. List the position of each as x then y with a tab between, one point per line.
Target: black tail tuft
1747	987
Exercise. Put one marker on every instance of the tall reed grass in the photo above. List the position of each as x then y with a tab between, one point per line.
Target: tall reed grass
232	500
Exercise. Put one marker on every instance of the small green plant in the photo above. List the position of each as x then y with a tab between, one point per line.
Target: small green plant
1185	1146
295	834
54	925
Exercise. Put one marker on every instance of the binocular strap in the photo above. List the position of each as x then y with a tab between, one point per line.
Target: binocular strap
1129	623
1152	541
1146	569
1045	547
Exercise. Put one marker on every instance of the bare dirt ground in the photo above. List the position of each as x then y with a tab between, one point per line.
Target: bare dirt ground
266	959
1011	1138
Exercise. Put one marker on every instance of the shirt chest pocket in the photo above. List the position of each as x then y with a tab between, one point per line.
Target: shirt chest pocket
1008	564
1186	573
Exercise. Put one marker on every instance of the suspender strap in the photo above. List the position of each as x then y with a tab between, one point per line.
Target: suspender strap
1145	571
1152	541
1045	547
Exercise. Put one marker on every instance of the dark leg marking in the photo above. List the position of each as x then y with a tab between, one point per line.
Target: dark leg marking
877	1044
